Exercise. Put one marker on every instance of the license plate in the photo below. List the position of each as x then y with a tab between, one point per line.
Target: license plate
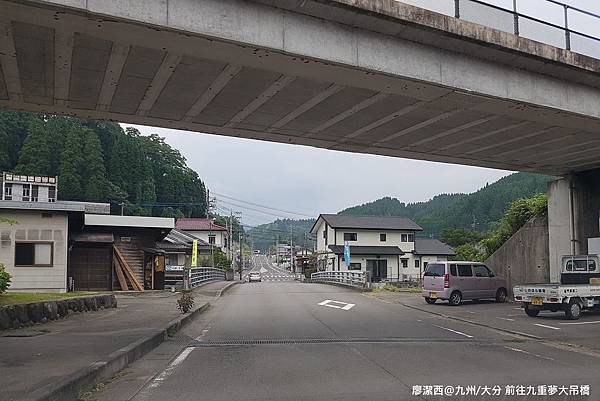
433	295
536	301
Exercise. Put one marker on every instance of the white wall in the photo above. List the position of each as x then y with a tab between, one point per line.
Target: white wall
203	235
371	238
33	227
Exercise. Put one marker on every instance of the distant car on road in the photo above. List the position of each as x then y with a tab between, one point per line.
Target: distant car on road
254	276
456	281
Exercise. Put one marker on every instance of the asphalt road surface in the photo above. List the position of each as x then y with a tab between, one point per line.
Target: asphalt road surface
269	271
298	341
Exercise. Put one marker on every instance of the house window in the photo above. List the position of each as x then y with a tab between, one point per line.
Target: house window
34	254
8	192
52	194
211	239
404	262
354	266
382	237
325	235
407	238
350	236
26	192
417	263
34	193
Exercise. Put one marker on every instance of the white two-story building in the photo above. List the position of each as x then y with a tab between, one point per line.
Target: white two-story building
386	247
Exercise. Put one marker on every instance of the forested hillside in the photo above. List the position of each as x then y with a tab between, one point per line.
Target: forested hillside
480	211
99	161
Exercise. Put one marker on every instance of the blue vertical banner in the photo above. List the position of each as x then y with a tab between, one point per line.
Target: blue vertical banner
347	253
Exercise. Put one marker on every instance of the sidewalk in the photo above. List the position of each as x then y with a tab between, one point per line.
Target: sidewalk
33	367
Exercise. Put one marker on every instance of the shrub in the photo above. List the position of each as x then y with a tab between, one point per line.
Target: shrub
308	271
4	279
185	303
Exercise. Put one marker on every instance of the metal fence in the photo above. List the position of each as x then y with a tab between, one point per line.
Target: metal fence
195	276
353	279
553	22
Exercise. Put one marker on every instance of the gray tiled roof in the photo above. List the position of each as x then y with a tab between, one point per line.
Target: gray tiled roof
430	246
367	250
370	222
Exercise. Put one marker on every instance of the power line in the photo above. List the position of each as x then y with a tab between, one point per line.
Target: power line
263	206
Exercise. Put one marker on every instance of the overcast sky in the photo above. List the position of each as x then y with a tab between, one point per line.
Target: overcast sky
312	181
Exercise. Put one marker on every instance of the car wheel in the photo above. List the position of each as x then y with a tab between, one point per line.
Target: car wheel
430	301
573	310
531	311
501	295
455	298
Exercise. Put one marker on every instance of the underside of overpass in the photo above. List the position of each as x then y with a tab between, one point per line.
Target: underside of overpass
350	76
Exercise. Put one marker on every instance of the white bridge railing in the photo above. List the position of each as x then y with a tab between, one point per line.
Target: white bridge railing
353	279
195	277
199	275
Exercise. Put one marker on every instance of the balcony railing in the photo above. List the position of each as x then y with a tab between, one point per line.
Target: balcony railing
553	22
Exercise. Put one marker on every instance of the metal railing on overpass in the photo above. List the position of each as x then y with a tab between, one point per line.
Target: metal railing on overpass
353	279
553	22
195	276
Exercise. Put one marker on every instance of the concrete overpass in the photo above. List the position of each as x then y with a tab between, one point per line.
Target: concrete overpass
369	76
366	76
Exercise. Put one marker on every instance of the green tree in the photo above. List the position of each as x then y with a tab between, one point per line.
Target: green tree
469	252
70	168
95	186
456	237
5	279
35	157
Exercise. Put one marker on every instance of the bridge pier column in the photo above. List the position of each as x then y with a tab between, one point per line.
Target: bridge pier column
573	217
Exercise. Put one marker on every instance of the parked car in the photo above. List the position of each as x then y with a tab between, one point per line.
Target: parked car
254	276
456	281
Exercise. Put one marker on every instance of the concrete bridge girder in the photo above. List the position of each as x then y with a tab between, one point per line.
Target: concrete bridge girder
247	69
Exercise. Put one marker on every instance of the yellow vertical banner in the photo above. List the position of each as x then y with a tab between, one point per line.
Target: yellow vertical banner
195	253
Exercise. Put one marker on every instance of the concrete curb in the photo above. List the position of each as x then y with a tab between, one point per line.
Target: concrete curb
83	380
227	287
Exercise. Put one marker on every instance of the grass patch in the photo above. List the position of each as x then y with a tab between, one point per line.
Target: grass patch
12	298
393	288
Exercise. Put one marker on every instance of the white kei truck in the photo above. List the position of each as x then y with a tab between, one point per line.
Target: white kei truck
579	289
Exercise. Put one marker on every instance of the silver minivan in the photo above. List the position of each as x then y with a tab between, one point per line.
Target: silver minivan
455	281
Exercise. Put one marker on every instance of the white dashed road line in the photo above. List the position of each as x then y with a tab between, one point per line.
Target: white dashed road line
546	327
529	353
453	331
505	318
171	368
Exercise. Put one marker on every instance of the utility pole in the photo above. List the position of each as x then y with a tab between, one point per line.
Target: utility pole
212	246
292	268
241	255
122	205
277	251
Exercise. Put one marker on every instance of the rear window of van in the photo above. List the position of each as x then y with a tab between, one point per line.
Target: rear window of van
435	270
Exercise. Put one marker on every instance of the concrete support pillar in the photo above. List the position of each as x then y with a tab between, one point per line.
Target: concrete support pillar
573	216
559	224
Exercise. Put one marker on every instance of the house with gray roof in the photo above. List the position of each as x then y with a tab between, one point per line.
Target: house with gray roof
385	246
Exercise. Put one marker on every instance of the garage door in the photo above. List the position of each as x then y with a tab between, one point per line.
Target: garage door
90	268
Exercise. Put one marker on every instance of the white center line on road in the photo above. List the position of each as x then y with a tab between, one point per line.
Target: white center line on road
592	322
505	318
547	327
453	331
472	313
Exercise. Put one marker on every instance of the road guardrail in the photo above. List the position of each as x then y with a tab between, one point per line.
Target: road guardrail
352	279
195	276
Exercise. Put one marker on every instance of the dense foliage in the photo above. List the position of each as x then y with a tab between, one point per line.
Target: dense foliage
480	211
517	214
100	161
4	279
